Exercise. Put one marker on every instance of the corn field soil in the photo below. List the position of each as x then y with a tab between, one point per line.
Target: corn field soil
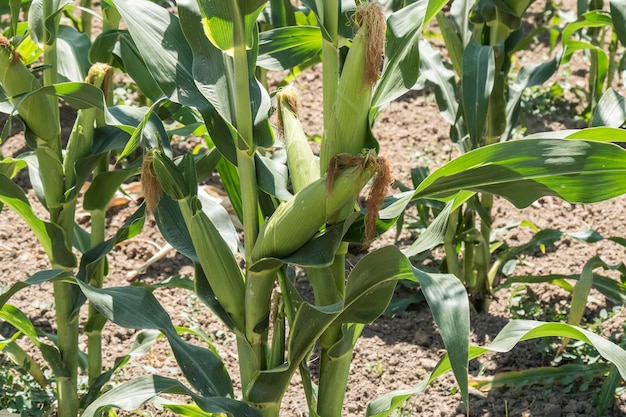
394	352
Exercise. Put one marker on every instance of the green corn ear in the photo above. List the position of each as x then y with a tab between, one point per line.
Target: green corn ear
41	119
81	136
347	132
216	259
304	167
300	218
35	110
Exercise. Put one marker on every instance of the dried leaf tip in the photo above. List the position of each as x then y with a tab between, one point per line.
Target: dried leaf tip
290	98
152	190
372	16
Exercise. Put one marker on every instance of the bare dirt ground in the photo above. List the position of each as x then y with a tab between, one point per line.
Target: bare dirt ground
394	352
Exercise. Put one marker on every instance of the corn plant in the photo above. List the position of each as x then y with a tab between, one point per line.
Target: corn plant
483	106
309	223
58	174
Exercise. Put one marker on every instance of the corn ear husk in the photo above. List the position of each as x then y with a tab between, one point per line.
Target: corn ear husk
220	267
300	218
81	136
35	110
347	130
302	163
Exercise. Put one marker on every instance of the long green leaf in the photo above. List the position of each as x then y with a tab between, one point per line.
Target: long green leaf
38	23
136	308
399	73
50	236
288	47
131	395
524	170
610	110
477	83
618	14
445	86
37	278
565	374
513	333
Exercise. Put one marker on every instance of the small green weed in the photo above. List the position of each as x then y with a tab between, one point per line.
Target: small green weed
21	394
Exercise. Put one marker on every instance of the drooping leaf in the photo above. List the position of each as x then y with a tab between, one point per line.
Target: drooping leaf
50	236
529	75
131	395
101	191
136	308
524	170
565	374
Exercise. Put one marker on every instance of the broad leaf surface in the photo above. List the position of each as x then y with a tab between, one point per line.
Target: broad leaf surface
477	83
136	308
524	170
131	395
399	73
288	47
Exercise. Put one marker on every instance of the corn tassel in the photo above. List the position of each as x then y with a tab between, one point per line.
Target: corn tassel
300	218
302	163
347	130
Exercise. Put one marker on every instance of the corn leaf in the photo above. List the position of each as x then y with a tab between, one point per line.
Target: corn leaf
131	395
524	170
118	47
50	236
565	374
610	110
101	191
136	308
454	43
223	17
618	14
459	14
445	85
169	58
40	22
36	279
520	330
288	47
478	80
404	29
16	318
73	50
598	134
529	75
447	299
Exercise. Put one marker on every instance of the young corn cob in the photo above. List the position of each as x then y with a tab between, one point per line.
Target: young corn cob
347	130
300	218
16	79
302	163
41	119
81	138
